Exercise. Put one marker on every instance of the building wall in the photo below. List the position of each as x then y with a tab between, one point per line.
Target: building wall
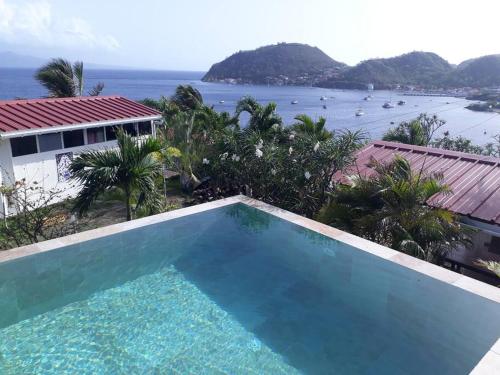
6	171
42	168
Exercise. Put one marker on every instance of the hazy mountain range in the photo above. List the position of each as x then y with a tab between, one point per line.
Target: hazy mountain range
10	59
300	64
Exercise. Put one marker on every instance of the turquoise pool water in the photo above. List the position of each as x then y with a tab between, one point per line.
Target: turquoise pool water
233	291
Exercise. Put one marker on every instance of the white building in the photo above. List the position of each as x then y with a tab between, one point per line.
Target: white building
39	137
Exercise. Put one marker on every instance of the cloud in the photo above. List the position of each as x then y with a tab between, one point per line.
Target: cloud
33	22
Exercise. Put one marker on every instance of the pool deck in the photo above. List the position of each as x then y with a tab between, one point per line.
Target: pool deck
489	364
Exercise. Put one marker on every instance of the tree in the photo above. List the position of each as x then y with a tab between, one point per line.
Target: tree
457	144
63	80
187	98
132	168
291	172
37	216
316	129
262	118
418	132
390	208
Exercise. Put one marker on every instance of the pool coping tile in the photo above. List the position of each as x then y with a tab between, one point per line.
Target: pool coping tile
491	361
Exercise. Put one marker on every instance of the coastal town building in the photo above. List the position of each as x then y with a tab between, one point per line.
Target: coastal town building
40	137
474	181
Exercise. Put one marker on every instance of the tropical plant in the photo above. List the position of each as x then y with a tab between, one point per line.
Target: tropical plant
63	79
457	144
292	171
37	216
490	265
315	129
132	168
390	208
418	132
262	118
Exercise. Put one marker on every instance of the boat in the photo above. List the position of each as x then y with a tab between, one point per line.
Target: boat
359	112
388	105
323	98
401	102
295	102
324	106
221	101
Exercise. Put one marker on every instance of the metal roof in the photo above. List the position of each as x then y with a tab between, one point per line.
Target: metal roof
41	114
473	179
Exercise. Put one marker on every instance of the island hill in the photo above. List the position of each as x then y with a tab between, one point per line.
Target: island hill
301	64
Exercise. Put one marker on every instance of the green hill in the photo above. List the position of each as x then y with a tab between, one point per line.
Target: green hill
284	63
414	68
480	72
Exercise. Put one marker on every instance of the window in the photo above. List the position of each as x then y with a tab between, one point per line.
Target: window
111	132
23	145
49	142
73	138
145	127
130	129
95	135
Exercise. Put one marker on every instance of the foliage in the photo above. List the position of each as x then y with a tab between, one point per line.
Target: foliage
418	132
63	79
462	144
132	168
189	125
316	129
414	68
262	118
37	216
284	63
287	170
490	265
390	208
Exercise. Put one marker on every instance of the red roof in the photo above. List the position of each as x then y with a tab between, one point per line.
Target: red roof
473	179
22	115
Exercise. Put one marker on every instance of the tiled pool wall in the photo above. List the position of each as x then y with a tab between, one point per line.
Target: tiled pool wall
59	281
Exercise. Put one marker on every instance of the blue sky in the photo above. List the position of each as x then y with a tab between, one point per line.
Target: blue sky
191	35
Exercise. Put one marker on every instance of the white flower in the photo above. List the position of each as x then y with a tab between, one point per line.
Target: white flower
206	161
258	153
235	157
259	145
316	147
224	156
307	175
273	172
290	150
291	136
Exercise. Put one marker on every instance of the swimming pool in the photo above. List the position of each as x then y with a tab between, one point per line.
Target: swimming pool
233	289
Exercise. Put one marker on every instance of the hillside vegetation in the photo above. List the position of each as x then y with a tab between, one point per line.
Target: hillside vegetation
284	63
300	64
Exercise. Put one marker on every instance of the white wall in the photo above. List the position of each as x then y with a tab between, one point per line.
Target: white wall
6	171
42	168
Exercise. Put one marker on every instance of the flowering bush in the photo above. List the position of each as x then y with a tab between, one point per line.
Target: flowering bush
292	171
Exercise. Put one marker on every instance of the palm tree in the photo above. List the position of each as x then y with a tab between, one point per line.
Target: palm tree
390	208
262	118
187	98
306	125
63	80
418	132
132	168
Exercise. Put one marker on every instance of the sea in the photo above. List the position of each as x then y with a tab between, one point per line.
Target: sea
338	107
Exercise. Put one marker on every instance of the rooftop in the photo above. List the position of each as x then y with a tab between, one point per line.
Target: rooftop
38	114
473	179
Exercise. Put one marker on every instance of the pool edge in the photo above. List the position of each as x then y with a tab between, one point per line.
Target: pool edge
491	359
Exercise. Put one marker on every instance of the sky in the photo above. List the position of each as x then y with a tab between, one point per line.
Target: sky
194	34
